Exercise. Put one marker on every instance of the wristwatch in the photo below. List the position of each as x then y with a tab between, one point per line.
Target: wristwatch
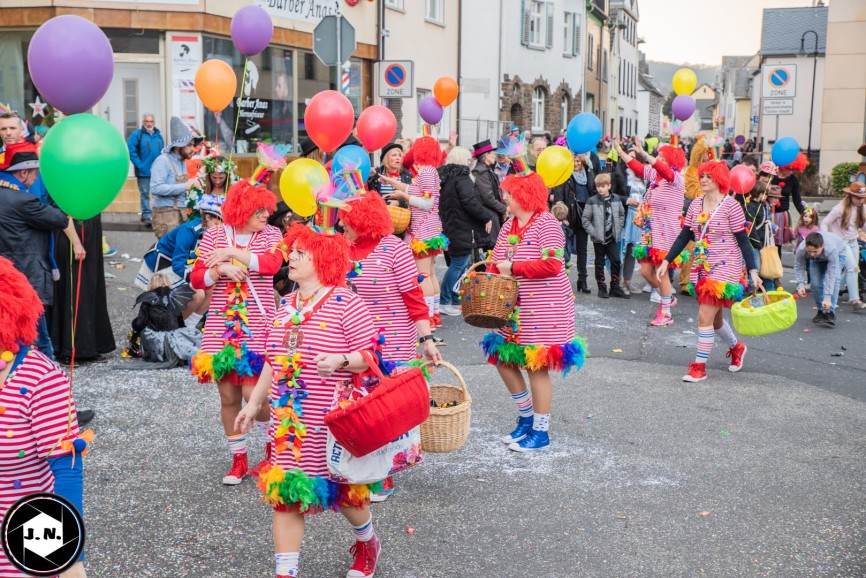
345	363
424	338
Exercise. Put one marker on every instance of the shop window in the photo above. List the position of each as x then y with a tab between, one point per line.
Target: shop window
132	41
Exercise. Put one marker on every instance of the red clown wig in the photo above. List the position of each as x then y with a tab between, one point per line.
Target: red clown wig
673	156
330	253
426	152
527	191
367	215
20	308
244	199
799	165
720	174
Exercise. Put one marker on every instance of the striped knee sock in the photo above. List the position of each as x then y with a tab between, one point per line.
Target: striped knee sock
436	304
263	427
541	421
237	444
524	403
429	302
727	334
287	563
705	343
364	532
666	304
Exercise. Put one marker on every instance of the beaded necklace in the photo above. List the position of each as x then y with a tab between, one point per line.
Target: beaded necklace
515	235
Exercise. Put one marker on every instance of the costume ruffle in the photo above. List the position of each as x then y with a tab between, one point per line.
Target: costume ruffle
644	254
564	358
424	246
293	489
238	364
711	292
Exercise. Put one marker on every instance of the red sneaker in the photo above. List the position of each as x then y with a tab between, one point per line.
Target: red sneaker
265	461
697	372
366	555
736	353
238	471
438	320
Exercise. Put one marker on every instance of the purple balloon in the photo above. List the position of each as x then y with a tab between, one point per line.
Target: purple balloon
683	107
71	63
430	110
251	30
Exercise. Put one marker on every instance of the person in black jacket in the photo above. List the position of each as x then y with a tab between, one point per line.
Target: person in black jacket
487	184
464	221
392	166
759	223
574	193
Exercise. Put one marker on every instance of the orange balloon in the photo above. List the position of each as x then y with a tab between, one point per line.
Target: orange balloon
445	90
215	84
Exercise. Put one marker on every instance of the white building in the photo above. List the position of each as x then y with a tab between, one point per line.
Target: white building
626	67
650	101
521	64
735	93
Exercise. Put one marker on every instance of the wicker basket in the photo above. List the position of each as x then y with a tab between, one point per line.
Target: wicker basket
488	299
399	218
447	428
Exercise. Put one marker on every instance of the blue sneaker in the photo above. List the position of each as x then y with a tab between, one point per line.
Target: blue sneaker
524	424
536	440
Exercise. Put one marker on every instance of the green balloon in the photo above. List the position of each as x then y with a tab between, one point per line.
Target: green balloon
84	163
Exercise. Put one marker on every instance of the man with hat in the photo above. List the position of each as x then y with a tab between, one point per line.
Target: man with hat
168	178
26	226
487	184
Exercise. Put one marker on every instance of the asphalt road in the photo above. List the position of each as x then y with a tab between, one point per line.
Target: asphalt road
760	473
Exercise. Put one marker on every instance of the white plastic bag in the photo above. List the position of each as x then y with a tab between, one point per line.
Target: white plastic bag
398	455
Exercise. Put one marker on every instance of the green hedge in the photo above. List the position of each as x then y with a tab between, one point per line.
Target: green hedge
841	175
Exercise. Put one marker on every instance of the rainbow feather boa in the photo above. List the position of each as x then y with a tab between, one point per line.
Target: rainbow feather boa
644	254
562	358
423	246
211	367
295	489
712	292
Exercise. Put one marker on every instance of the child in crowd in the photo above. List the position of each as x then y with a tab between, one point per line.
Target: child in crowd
603	219
759	224
560	212
808	223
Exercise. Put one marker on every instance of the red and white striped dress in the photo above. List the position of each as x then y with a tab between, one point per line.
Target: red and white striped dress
260	305
387	272
342	325
424	225
33	418
723	254
666	201
546	305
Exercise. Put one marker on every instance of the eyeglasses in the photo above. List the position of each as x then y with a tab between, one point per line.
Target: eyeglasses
262	213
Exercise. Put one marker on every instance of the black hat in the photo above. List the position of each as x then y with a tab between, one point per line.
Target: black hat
389	146
307	146
482	147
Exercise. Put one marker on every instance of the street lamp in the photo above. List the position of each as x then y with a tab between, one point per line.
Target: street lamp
814	69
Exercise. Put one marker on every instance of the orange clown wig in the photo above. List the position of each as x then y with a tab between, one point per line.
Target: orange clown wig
799	165
367	215
20	308
528	191
720	174
330	253
673	156
426	152
243	200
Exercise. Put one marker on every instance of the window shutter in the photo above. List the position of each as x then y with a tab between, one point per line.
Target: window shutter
548	41
575	50
524	37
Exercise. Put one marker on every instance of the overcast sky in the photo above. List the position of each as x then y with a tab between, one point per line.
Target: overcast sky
700	32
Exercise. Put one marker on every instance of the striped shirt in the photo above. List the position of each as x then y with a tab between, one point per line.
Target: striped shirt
342	325
666	201
33	418
723	254
387	272
260	303
546	305
425	224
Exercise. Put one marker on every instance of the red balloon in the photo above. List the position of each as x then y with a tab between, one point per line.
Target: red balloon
329	120
742	179
377	126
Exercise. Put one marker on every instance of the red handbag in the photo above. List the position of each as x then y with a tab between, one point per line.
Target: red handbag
393	408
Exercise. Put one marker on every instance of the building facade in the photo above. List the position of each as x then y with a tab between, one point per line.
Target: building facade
650	101
596	62
734	94
625	40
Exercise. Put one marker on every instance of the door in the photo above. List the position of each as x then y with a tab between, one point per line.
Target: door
134	91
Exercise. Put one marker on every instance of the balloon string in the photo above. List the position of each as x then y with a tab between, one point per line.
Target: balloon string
238	110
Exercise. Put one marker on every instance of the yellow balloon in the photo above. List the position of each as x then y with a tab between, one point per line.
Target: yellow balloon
685	81
298	185
555	164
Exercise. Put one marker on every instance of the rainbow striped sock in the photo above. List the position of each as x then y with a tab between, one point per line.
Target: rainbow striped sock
364	532
726	333
705	343
666	304
429	302
263	427
436	304
287	563
524	403
237	444
541	421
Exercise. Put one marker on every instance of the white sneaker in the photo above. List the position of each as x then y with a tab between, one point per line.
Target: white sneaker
655	296
647	288
450	310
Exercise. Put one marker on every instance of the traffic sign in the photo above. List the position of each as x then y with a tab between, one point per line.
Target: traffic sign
777	106
740	140
396	78
779	80
334	40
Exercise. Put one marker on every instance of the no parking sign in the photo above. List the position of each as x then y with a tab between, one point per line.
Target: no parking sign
396	78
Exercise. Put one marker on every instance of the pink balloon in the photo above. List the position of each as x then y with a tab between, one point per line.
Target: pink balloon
329	119
377	126
742	179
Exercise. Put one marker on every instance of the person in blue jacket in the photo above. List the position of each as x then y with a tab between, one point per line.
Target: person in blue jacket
145	144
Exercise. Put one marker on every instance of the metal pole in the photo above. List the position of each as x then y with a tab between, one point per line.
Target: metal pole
812	104
339	51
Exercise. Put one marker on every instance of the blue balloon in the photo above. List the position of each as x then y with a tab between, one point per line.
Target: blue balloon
583	133
351	157
785	151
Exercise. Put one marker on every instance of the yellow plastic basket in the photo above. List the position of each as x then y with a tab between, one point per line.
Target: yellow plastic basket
779	312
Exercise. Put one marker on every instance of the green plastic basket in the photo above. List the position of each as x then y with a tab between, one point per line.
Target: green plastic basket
778	313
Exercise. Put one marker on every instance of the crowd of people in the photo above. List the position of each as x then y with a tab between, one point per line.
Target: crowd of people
290	316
